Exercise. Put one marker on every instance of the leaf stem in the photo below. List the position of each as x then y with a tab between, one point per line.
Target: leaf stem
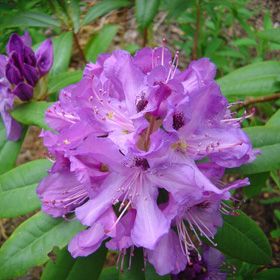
145	37
258	100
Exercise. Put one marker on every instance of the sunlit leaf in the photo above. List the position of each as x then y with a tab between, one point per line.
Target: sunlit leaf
32	241
241	238
18	188
103	7
256	79
32	113
62	49
99	43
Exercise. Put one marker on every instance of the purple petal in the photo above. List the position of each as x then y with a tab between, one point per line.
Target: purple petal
13	74
87	241
44	56
29	56
150	223
13	128
88	213
31	74
26	39
3	63
60	192
168	256
15	44
16	60
23	91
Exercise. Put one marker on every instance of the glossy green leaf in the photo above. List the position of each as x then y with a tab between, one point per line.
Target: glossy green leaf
241	238
18	188
68	268
253	80
62	49
274	120
99	43
38	19
270	274
110	273
268	140
145	12
62	80
272	35
32	113
32	241
257	181
102	8
137	264
8	149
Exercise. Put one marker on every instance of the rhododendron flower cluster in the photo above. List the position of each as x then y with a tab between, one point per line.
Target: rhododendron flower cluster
138	155
20	72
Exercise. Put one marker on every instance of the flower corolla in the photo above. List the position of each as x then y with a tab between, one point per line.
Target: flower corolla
129	138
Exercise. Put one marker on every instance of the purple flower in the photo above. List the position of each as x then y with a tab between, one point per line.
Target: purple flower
19	76
209	267
129	141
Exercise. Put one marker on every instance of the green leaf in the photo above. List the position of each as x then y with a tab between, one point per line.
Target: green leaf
62	80
38	19
62	49
32	241
99	43
132	48
241	238
137	264
267	139
67	268
274	120
212	46
272	35
244	42
257	181
271	200
102	8
275	233
253	80
9	149
145	12
18	188
271	274
32	113
110	273
267	22
231	53
277	214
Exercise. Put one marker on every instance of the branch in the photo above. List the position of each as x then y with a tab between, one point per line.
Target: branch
258	100
196	30
79	48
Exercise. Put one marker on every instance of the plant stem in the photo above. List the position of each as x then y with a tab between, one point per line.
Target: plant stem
198	10
79	47
258	100
145	37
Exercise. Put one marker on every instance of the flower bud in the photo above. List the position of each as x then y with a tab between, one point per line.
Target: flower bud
23	91
13	74
31	74
15	44
44	56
